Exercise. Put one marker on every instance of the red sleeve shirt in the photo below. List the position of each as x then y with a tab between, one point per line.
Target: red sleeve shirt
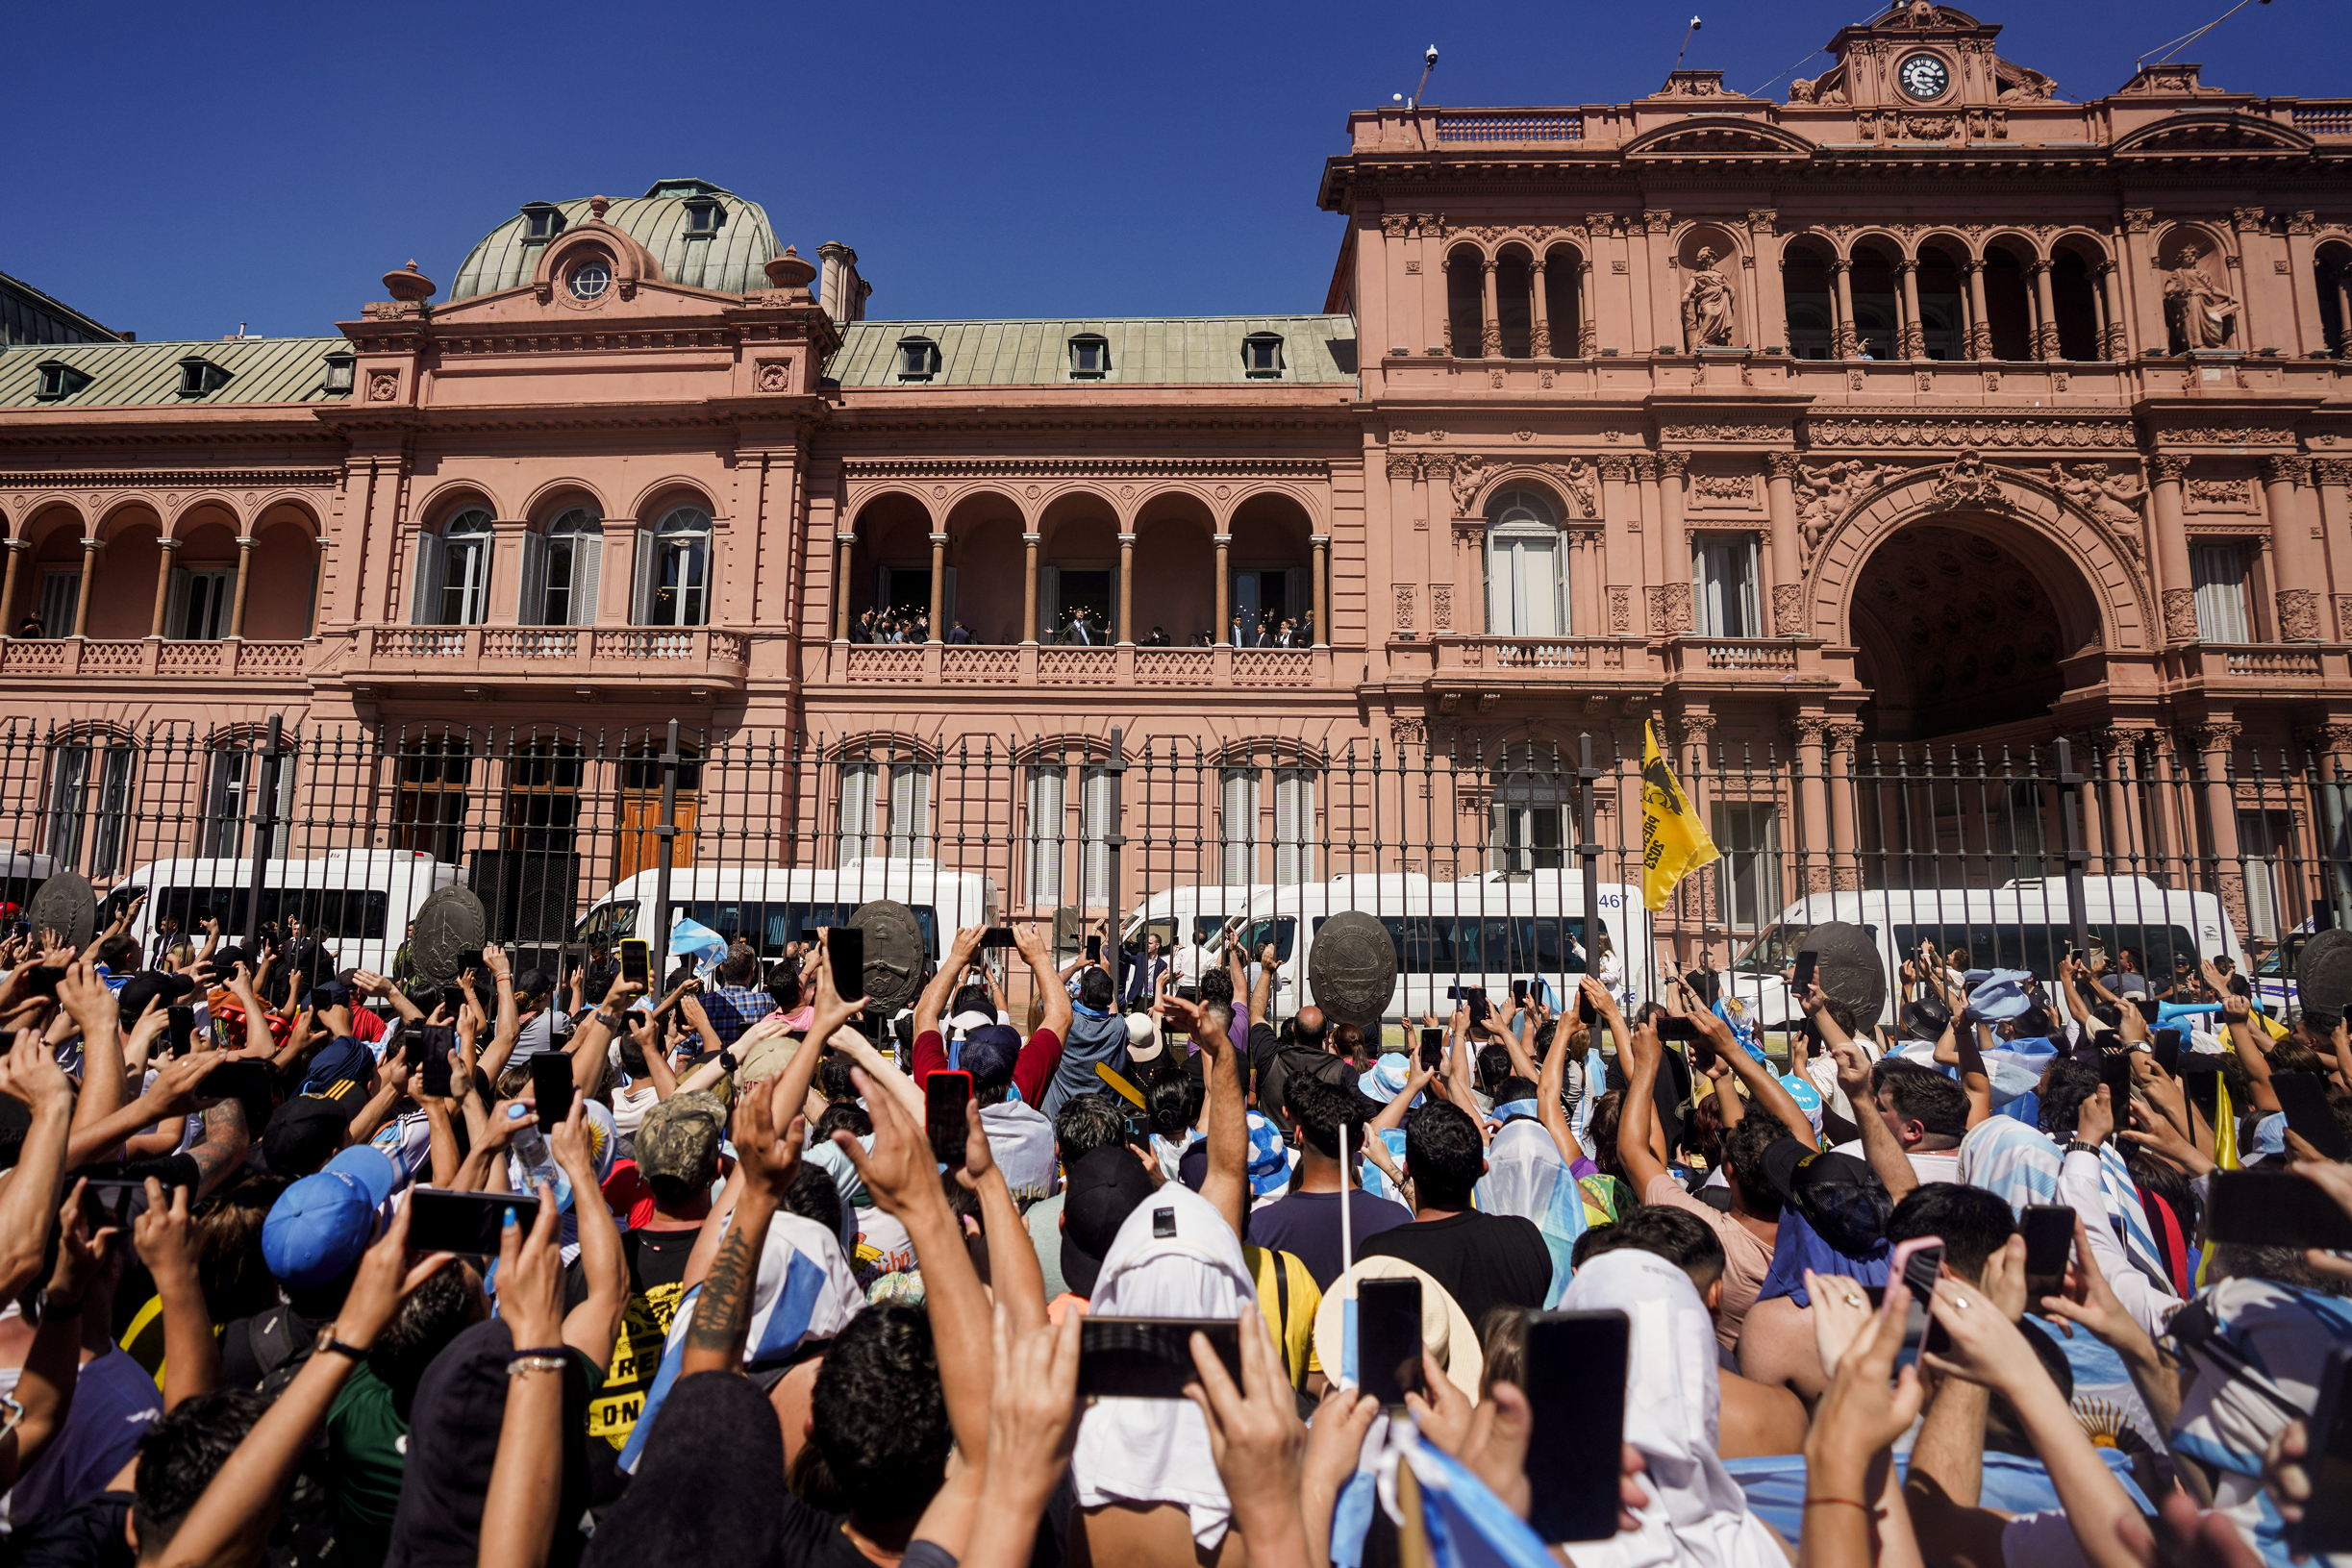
1034	1067
929	1055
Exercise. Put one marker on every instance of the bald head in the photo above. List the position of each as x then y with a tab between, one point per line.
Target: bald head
1309	1027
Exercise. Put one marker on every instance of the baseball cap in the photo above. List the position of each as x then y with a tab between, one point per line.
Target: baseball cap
1841	1197
320	1226
990	1052
303	1134
343	1060
1104	1186
151	986
678	1141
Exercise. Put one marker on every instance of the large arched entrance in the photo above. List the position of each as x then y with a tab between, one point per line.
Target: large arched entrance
1964	622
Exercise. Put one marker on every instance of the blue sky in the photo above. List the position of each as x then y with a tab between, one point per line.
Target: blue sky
185	168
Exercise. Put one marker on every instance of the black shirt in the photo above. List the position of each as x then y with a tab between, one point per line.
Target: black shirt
1483	1261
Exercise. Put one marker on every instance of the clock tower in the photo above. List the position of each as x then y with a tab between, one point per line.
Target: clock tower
1924	56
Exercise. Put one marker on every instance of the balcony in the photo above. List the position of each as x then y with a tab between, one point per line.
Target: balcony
148	659
628	657
922	664
2286	669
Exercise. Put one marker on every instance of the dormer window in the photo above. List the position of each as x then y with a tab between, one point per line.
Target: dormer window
1261	355
918	359
1089	357
340	371
703	217
542	221
59	379
199	377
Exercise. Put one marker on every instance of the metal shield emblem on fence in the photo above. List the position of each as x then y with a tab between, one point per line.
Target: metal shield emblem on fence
894	954
2323	975
450	930
1848	967
64	905
1352	968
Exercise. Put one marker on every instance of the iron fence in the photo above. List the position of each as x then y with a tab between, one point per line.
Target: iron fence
1485	863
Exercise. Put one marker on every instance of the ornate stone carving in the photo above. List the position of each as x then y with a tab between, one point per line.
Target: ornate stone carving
1726	433
1657	220
1645	467
1467	476
2231	436
2331	470
1782	465
2343	617
2287	471
1395	224
1973	430
1405	731
2211	735
2137	220
1404	465
2221	494
2180	615
1575	479
1827	493
1441	606
1616	471
1673	464
1404	608
1588	339
2298	615
2114	499
1787	610
1729	489
1966	482
2203	313
1707	305
382	385
2166	468
1669	609
1620	610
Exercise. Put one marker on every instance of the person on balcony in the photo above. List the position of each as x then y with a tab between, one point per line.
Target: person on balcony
959	635
1159	638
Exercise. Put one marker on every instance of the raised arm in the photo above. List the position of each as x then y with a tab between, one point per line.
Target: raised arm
1766	1090
28	1203
167	1244
1549	1109
1635	1114
592	1327
934	1001
1055	995
86	998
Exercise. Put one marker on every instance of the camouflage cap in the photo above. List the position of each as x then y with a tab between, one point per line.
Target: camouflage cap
678	1141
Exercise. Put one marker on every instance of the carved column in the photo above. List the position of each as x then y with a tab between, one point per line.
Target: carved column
244	581
16	549
1845	841
1622	552
1843	344
1127	588
90	576
2175	583
1768	305
2285	480
1491	316
2113	344
1657	581
1788	568
1224	588
1030	549
1812	838
2045	314
939	587
1588	324
1540	312
2214	745
1980	335
165	548
1915	332
2333	476
1673	543
843	546
1322	589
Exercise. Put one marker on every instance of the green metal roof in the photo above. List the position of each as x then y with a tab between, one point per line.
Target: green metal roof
729	261
260	370
1316	350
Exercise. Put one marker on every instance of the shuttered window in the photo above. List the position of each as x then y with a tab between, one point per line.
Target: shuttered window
1046	786
857	811
1294	826
2220	574
1094	827
1238	825
909	812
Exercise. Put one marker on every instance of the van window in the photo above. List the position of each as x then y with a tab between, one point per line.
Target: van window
1281	932
768	927
349	913
2039	946
1774	950
1498	944
607	923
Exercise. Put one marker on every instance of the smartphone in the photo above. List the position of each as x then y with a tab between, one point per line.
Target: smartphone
2201	1081
43	978
1094	949
2165	1048
2147	1009
997	937
436	1068
1139	1128
1671	1028
179	1028
2274	1209
1800	980
1918	1263
1587	1014
1702	1052
636	963
2308	1116
464	1222
109	1203
947	1101
1433	1047
1575	1383
1389	1340
1148	1358
2116	1072
2049	1241
2326	1524
847	947
1519	992
551	1087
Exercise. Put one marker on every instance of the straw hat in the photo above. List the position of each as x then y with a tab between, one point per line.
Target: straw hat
1445	1328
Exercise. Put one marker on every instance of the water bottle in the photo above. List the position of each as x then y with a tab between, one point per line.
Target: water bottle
538	1162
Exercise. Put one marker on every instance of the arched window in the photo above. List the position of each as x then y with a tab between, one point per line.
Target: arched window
1526	578
673	570
560	570
453	572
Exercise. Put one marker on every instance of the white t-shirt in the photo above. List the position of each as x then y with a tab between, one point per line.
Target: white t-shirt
1936	1165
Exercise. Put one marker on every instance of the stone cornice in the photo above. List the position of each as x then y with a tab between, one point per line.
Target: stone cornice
179	479
1233	468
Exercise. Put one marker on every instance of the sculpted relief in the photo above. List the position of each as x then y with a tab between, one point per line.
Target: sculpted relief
1828	492
2204	314
1707	305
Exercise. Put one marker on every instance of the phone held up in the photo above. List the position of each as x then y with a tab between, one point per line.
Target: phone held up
1576	1394
1800	980
551	1088
947	1099
1149	1358
845	948
1433	1047
1389	1340
2049	1241
997	937
1918	1263
636	963
464	1222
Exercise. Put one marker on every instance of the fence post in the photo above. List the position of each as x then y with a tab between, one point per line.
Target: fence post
2070	824
665	837
264	819
1588	851
1113	842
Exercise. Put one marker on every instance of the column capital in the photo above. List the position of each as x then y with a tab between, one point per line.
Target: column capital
2167	467
1645	466
1674	464
1127	541
1973	265
2326	470
17	546
938	540
163	542
1223	541
844	539
1907	264
1320	541
2287	471
1033	539
1782	466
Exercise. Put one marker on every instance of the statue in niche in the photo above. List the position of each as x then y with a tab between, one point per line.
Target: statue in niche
2204	314
1707	305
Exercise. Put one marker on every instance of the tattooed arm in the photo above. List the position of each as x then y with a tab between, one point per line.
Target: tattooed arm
769	1164
221	1153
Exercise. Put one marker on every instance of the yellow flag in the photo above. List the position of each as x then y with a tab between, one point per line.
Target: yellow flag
1675	842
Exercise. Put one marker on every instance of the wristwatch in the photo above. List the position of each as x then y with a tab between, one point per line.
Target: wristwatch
326	1342
2076	1146
729	1062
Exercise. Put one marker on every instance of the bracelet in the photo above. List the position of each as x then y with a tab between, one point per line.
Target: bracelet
544	1352
524	1365
1845	1501
340	1348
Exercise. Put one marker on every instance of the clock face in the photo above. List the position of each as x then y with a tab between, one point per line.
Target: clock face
1923	77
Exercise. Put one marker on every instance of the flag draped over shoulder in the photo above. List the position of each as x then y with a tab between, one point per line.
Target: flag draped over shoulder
1675	842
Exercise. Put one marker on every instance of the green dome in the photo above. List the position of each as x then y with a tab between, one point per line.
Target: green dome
727	255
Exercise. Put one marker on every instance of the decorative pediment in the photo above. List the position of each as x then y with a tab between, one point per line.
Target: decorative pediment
2206	132
1718	137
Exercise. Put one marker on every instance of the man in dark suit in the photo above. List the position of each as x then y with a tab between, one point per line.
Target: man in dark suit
958	634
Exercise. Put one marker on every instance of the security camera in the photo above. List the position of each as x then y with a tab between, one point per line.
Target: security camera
1430	56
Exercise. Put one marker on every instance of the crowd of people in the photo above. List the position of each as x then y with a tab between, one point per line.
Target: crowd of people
758	1314
1084	625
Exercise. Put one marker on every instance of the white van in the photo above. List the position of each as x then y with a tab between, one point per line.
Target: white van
1177	915
357	901
1483	931
2018	925
21	874
770	907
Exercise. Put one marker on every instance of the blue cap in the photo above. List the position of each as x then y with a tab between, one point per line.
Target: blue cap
343	1060
990	1052
320	1225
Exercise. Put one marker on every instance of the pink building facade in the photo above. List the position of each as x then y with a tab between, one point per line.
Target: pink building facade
1926	406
